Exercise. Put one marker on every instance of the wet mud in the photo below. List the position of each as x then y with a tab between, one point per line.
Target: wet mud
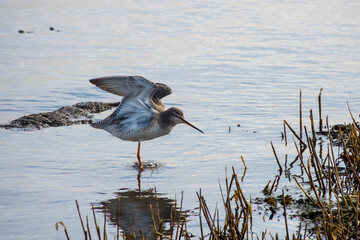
80	113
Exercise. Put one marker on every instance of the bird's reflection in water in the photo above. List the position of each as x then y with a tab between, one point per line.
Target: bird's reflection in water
152	166
132	213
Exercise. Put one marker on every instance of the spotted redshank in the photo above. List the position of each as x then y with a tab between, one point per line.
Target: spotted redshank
140	115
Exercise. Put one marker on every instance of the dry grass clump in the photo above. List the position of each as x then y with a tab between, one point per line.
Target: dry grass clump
330	182
334	186
238	213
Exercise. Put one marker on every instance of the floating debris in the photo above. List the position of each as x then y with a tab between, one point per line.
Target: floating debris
53	29
23	31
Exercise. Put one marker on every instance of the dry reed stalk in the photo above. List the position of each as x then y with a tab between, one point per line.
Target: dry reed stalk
105	235
312	126
62	224
307	195
352	117
317	165
161	235
243	161
118	221
285	216
132	227
301	158
96	225
239	189
275	184
300	116
299	233
293	131
207	216
82	223
153	220
319	104
178	222
200	221
285	134
277	159
238	219
87	227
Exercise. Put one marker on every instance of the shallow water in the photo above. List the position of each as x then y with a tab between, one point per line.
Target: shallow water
227	63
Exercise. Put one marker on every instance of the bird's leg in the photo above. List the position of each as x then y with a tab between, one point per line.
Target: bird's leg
138	156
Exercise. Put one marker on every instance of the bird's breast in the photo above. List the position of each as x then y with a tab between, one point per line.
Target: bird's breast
153	130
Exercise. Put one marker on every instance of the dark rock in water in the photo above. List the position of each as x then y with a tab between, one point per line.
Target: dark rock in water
64	116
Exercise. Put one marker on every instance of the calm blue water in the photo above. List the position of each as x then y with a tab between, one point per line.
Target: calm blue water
228	63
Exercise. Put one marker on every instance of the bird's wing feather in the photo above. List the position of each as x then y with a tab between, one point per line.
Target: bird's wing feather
135	86
161	91
126	85
134	113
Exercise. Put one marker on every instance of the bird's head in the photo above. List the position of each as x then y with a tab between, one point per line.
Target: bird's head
175	116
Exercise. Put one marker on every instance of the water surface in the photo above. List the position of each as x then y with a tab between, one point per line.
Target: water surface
227	63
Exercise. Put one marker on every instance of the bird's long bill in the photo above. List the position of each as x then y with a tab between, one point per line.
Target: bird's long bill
186	122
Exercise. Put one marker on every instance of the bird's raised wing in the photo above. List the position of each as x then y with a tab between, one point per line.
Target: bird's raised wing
126	85
134	113
161	91
135	86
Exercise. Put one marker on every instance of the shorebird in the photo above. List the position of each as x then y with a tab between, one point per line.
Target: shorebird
141	115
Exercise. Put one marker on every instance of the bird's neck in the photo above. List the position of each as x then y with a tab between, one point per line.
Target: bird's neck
165	120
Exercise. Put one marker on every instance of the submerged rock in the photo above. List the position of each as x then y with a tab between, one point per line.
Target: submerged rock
64	116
